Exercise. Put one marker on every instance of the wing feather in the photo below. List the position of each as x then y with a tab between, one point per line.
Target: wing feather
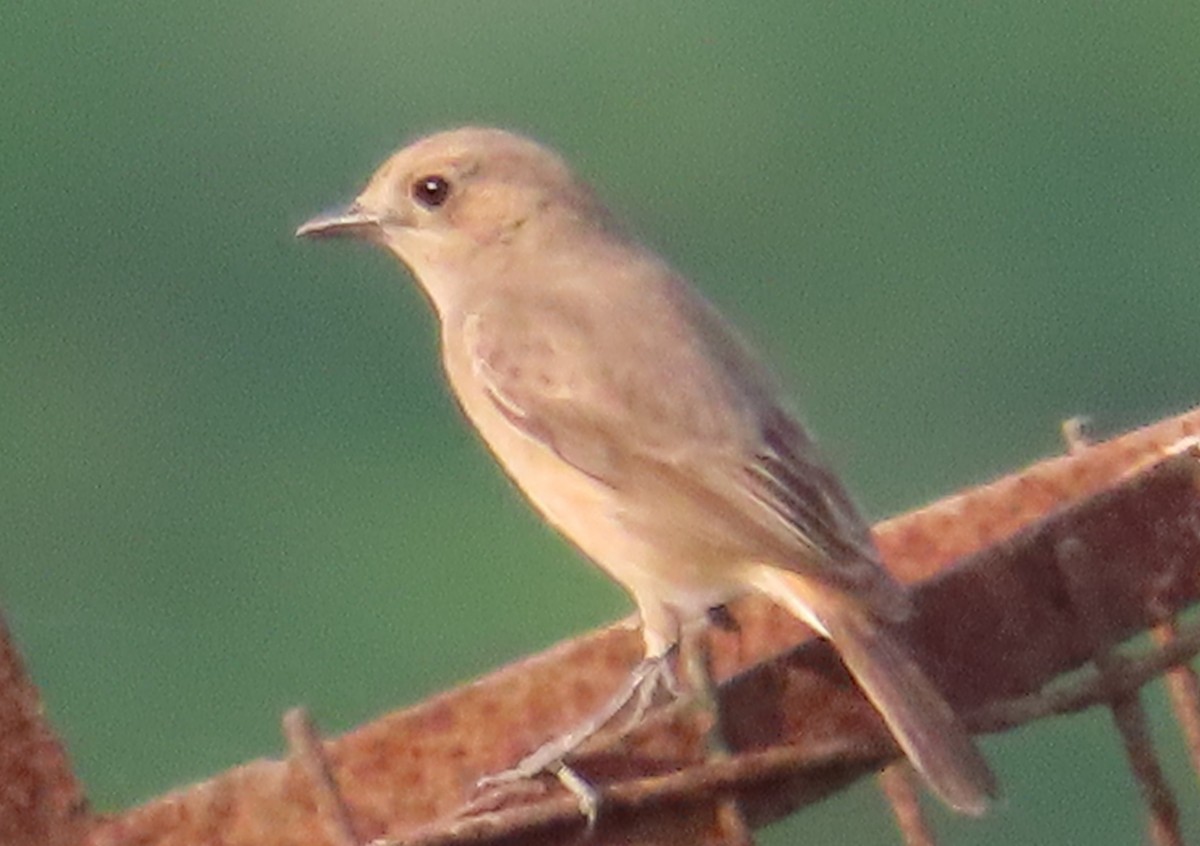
674	405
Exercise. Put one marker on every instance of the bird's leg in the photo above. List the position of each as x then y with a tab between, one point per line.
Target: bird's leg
586	794
639	688
695	661
696	667
660	631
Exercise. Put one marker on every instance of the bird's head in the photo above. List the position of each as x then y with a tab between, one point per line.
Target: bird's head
450	200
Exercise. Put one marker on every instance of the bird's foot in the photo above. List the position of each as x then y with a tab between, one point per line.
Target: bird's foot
638	690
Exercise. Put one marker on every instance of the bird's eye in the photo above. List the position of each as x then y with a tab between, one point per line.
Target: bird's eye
431	191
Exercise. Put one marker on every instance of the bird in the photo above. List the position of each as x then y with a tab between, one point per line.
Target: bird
639	423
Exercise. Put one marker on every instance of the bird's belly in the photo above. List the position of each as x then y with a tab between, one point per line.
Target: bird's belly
648	560
648	557
637	544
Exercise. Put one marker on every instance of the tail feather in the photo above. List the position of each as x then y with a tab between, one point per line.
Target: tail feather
923	724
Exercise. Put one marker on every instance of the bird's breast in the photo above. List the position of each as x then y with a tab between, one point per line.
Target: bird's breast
573	502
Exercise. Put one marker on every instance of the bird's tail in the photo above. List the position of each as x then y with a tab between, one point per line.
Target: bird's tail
923	724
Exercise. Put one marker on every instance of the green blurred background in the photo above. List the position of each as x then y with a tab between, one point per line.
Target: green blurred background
231	480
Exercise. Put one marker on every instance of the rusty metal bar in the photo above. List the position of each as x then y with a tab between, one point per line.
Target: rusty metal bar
995	621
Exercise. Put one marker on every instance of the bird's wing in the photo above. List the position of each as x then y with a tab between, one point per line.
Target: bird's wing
661	403
788	479
600	390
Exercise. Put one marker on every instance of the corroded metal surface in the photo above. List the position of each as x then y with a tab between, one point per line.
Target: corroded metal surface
1019	581
41	803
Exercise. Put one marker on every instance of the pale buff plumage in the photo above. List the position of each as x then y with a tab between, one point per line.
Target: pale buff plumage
635	420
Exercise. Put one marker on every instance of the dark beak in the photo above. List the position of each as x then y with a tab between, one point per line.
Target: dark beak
351	222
